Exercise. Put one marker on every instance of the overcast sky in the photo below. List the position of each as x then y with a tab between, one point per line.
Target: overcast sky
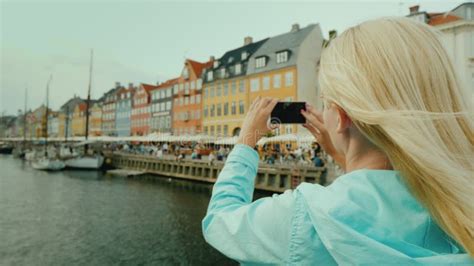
147	41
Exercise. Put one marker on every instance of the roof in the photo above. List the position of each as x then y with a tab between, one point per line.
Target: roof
289	41
234	57
148	87
166	84
71	103
199	67
442	19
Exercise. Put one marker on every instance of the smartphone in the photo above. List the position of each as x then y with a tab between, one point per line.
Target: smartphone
288	113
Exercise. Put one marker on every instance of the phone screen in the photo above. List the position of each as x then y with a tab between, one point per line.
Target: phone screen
288	113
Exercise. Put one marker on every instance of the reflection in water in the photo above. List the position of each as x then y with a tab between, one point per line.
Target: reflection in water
85	217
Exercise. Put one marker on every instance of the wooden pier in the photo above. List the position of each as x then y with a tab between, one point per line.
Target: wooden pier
272	178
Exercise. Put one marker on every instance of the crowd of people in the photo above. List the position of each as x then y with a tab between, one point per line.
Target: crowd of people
271	154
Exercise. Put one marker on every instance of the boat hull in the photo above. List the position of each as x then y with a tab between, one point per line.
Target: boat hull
48	165
86	163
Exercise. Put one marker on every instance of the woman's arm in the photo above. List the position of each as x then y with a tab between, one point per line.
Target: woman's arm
257	232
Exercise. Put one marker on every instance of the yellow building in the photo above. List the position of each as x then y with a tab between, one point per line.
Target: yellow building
79	120
225	91
95	120
284	67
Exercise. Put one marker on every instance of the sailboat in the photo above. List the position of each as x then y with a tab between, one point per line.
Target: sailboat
86	162
46	163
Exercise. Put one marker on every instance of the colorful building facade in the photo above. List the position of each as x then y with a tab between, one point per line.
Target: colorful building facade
161	106
108	111
123	111
140	117
187	105
225	91
79	120
284	67
95	120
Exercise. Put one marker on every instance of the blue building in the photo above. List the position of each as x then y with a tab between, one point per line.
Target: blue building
123	111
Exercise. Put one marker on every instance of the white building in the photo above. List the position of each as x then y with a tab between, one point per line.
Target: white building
458	28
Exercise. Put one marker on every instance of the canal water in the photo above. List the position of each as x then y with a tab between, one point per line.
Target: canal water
88	218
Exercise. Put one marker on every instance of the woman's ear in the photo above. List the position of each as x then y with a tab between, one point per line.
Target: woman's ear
343	120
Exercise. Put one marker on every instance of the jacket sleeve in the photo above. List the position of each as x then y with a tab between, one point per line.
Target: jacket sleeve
249	232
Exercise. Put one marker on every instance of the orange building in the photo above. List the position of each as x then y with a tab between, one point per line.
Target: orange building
187	105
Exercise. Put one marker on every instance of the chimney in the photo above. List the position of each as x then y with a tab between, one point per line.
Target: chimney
130	85
117	84
414	9
248	40
295	27
212	58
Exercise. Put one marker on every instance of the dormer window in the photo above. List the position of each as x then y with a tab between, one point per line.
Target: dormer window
210	76
260	62
216	64
282	57
222	72
231	59
244	55
185	73
238	69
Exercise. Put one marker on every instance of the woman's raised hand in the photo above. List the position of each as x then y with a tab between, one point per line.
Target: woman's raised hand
256	123
315	125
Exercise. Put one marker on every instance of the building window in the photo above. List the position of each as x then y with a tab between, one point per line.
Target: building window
266	83
226	89
205	92
233	87
277	81
241	85
233	108
241	107
212	110
205	130
199	84
238	69
193	85
226	130
192	99
212	130
219	109
218	131
222	72
260	62
210	76
282	57
226	108
205	111
168	92
254	84
198	98
244	55
288	79
211	91
168	105
218	90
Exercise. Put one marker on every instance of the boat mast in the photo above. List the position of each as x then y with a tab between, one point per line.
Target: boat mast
46	116
89	95
24	118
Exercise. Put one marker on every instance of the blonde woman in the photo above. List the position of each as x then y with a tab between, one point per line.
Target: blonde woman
395	120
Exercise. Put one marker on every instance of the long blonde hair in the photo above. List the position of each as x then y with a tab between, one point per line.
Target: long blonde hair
394	79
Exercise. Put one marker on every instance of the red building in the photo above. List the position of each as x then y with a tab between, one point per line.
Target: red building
187	105
141	113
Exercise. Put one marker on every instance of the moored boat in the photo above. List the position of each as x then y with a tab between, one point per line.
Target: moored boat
47	164
85	162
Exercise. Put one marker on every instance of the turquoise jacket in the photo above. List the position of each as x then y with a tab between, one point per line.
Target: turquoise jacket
366	217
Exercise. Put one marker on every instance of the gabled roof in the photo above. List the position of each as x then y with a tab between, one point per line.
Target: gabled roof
289	41
148	87
199	67
232	58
